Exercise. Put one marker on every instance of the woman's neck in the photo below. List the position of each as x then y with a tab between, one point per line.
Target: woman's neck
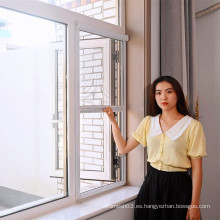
171	115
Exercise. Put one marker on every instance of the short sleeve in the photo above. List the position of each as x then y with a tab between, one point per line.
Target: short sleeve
140	134
197	142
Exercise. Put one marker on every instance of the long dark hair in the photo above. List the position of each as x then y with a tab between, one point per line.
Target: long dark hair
154	109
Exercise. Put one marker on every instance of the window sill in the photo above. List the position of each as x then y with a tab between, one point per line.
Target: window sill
94	206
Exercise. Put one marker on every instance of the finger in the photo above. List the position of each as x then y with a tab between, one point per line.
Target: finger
109	111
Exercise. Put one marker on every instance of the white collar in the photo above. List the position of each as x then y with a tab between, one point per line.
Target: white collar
174	132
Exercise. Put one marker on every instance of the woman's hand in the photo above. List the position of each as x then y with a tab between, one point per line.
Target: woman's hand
122	145
193	213
110	114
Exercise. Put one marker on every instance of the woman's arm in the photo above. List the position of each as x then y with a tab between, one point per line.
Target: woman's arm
194	212
123	146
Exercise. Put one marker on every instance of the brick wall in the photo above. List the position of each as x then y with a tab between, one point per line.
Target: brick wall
106	10
91	93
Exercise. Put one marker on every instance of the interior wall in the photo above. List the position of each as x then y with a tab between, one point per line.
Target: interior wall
208	66
155	39
136	79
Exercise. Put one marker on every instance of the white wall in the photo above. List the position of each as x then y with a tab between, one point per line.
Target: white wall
25	147
135	86
208	66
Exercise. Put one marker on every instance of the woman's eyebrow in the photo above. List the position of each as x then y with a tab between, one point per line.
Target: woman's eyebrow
165	89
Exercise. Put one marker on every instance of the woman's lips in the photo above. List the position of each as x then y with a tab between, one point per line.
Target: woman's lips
164	103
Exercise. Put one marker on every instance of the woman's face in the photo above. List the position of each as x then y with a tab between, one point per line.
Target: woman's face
165	96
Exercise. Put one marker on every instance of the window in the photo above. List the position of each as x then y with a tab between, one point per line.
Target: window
33	104
58	69
101	84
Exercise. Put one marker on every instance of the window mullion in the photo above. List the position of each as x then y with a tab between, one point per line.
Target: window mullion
99	108
73	104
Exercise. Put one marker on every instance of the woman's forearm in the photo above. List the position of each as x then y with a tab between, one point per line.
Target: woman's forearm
122	145
119	140
196	181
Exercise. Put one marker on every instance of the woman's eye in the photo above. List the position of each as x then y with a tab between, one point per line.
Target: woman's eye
158	93
169	91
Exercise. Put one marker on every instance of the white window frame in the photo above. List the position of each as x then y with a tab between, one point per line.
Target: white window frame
84	109
75	22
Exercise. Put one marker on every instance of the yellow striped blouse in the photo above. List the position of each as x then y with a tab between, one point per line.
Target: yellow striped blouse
171	151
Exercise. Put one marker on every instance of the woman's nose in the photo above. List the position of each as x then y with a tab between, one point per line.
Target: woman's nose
163	96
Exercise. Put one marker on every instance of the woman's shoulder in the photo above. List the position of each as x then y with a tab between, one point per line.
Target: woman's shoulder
194	121
147	119
195	124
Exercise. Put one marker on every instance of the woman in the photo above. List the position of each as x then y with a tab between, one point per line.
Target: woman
175	142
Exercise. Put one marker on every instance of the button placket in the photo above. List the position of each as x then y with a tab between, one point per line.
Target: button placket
161	150
161	144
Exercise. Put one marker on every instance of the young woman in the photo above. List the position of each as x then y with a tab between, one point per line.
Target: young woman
175	142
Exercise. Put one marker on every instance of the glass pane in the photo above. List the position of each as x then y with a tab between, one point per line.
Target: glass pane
105	10
101	79
32	91
98	153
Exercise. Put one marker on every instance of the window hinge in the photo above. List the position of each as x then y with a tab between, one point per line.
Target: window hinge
116	56
116	162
